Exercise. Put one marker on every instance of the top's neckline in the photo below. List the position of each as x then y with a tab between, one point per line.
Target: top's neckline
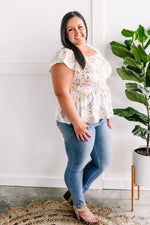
91	55
96	52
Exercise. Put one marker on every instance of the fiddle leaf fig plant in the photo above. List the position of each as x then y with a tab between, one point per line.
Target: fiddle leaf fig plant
136	70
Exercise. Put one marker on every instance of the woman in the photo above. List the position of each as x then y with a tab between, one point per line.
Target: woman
79	74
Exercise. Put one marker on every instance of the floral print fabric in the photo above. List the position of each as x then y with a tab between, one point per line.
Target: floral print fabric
88	88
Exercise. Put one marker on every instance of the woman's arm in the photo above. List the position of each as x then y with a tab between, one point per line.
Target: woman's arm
61	78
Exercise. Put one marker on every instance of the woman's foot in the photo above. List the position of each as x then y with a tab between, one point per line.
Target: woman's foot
84	214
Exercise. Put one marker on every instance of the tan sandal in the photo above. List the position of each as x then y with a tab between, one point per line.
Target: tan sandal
89	220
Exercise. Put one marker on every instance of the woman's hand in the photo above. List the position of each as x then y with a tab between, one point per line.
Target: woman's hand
81	131
109	123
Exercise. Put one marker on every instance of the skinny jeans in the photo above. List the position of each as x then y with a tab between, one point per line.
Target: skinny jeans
86	160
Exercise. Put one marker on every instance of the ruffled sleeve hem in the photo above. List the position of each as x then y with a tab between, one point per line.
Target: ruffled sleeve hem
66	56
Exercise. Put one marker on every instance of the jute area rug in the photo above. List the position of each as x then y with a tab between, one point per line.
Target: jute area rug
56	213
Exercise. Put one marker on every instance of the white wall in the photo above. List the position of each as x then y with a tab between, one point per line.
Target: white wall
115	16
31	147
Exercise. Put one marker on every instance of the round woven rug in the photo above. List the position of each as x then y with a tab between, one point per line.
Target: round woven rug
56	213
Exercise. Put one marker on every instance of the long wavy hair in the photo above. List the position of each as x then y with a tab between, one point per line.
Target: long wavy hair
65	41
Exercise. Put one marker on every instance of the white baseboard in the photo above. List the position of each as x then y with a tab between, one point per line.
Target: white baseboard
124	184
32	181
40	182
116	183
119	183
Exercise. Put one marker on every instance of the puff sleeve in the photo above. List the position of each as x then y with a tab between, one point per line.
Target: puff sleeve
66	56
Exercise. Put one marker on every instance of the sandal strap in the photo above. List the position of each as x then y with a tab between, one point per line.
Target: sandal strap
89	218
81	209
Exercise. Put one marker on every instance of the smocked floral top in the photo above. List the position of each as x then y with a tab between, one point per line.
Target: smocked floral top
88	88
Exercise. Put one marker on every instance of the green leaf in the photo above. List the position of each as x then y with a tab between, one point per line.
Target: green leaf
148	32
140	131
127	75
131	114
137	87
139	53
127	33
133	62
128	44
135	36
148	57
136	97
117	44
135	71
121	51
136	53
142	34
147	44
148	76
142	53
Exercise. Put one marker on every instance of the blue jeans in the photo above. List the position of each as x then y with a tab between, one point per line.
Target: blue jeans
79	174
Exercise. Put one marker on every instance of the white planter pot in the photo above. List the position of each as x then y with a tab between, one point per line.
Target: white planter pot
142	169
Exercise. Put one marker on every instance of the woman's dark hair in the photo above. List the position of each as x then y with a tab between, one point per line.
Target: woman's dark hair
65	41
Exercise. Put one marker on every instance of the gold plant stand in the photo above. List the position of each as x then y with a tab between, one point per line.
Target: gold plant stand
133	186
